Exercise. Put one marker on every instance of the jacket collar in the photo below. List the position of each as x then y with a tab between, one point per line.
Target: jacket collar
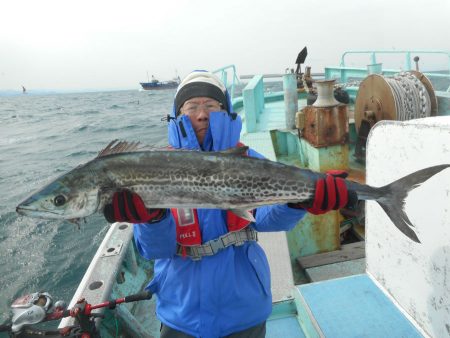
223	132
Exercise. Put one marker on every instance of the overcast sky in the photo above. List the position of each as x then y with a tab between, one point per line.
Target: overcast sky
57	44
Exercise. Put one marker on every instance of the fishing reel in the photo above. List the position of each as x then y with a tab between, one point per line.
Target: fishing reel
38	307
32	309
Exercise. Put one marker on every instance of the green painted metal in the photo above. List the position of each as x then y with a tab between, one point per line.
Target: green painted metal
285	308
229	78
307	323
314	234
253	98
287	144
375	68
352	134
131	326
407	54
280	143
326	158
352	93
346	74
238	102
443	102
132	275
283	322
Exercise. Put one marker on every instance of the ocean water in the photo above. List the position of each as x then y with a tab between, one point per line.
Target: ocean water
42	137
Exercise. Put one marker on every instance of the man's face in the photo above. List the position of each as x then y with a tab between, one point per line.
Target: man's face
198	110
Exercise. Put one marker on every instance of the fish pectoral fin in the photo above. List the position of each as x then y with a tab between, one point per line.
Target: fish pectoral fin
245	214
240	150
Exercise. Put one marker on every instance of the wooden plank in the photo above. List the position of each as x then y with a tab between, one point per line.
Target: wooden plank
336	270
347	252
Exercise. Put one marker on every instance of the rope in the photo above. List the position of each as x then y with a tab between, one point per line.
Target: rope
412	100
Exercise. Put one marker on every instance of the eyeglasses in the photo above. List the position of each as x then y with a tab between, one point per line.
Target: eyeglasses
192	108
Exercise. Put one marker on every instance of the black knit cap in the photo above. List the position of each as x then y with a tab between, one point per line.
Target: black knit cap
199	89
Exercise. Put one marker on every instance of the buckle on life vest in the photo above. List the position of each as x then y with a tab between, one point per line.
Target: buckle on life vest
236	238
216	245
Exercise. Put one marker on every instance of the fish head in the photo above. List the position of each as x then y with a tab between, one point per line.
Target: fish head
64	198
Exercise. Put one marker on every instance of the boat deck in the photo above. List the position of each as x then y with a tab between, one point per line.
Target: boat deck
272	118
352	307
342	300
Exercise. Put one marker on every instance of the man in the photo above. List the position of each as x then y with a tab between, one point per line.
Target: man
204	290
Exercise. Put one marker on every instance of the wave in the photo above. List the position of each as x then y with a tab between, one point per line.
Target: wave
91	112
46	137
82	153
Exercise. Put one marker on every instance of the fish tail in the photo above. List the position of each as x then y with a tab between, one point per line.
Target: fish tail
394	195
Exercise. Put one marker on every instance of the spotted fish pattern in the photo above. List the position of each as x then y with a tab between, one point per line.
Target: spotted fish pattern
196	179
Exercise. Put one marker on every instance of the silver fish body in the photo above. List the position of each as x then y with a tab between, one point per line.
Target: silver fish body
167	179
194	179
205	180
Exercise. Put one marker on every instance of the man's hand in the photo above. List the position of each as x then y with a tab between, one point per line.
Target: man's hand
128	206
331	194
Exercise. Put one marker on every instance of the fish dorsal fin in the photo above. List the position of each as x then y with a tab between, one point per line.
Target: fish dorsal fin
239	150
116	147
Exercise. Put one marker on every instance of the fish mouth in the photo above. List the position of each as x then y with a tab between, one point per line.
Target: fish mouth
43	214
24	210
21	210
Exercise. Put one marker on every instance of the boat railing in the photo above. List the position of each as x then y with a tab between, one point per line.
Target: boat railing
408	54
229	78
274	76
346	73
115	271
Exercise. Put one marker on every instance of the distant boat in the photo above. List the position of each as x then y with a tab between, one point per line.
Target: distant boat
155	84
24	90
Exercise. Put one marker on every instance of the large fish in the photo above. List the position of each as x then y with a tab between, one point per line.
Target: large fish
194	179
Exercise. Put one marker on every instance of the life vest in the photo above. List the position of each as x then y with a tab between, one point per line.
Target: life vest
188	226
223	133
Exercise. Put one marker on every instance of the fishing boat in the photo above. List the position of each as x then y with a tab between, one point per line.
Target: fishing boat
340	274
155	84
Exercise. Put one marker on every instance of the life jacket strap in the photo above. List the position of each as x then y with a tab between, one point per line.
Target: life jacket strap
236	238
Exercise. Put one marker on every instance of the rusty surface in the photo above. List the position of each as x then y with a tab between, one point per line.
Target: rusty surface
326	126
429	87
375	95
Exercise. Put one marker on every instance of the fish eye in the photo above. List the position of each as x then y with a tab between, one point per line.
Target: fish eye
59	200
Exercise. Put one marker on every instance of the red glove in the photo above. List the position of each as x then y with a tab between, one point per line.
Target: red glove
128	206
331	194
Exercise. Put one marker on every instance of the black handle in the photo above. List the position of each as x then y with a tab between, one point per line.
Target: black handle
5	327
138	296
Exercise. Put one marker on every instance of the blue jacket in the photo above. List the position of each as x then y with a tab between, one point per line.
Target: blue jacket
219	294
